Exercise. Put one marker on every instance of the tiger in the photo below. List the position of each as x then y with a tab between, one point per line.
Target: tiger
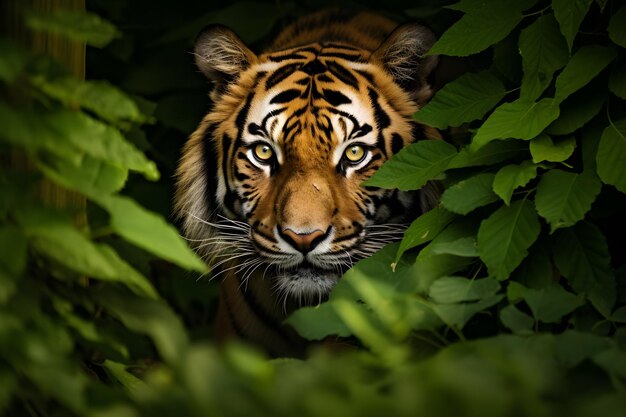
269	186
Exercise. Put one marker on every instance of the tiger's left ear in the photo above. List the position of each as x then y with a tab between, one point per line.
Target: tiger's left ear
402	55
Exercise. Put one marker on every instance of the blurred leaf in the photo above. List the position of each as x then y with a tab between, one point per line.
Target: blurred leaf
579	109
613	361
570	14
543	51
465	246
80	26
521	119
129	381
316	323
148	231
100	97
424	229
511	177
457	315
572	347
617	27
449	290
516	321
583	66
13	59
413	166
612	154
504	238
469	194
563	198
617	81
467	98
582	255
543	148
13	249
550	304
490	154
56	238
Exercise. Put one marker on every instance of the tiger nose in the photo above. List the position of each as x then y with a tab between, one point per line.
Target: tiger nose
304	242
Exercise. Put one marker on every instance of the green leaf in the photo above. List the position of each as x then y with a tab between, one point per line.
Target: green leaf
414	165
570	14
13	59
465	246
100	97
56	238
543	148
448	290
504	238
507	60
582	256
316	323
516	321
80	26
563	198
457	315
521	119
482	26
536	270
550	304
617	27
13	249
469	194
467	98
544	51
617	81
612	154
91	176
579	109
148	231
510	177
573	347
583	67
424	229
490	154
612	361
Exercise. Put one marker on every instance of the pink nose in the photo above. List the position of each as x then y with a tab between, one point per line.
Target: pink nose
304	242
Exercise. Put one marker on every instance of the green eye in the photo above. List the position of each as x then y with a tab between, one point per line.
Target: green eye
263	152
355	153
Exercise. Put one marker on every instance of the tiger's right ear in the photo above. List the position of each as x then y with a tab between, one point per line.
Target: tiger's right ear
221	55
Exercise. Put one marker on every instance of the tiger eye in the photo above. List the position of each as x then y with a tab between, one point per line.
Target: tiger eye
263	152
355	153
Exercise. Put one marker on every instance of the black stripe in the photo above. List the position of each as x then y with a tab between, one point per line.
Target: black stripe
369	77
266	318
335	98
285	96
282	58
210	164
396	143
417	131
280	75
343	74
232	319
347	57
382	118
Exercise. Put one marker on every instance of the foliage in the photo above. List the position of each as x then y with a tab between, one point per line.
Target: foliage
508	299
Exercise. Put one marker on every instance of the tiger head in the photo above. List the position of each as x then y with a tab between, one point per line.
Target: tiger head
270	184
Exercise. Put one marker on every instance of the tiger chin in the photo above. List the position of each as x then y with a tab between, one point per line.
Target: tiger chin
269	185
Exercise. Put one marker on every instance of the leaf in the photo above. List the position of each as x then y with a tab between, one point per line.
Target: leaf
579	109
148	231
544	51
457	315
536	271
573	347
469	194
612	154
482	26
504	238
13	248
490	154
100	97
510	177
617	27
612	361
449	290
563	198
80	26
13	59
413	166
583	67
582	256
56	238
550	304
465	246
467	98
316	323
617	81
516	321
424	229
570	14
521	119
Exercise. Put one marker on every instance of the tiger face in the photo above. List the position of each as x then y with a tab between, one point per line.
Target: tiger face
272	179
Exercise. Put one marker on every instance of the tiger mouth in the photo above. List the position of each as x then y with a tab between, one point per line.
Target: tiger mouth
306	282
